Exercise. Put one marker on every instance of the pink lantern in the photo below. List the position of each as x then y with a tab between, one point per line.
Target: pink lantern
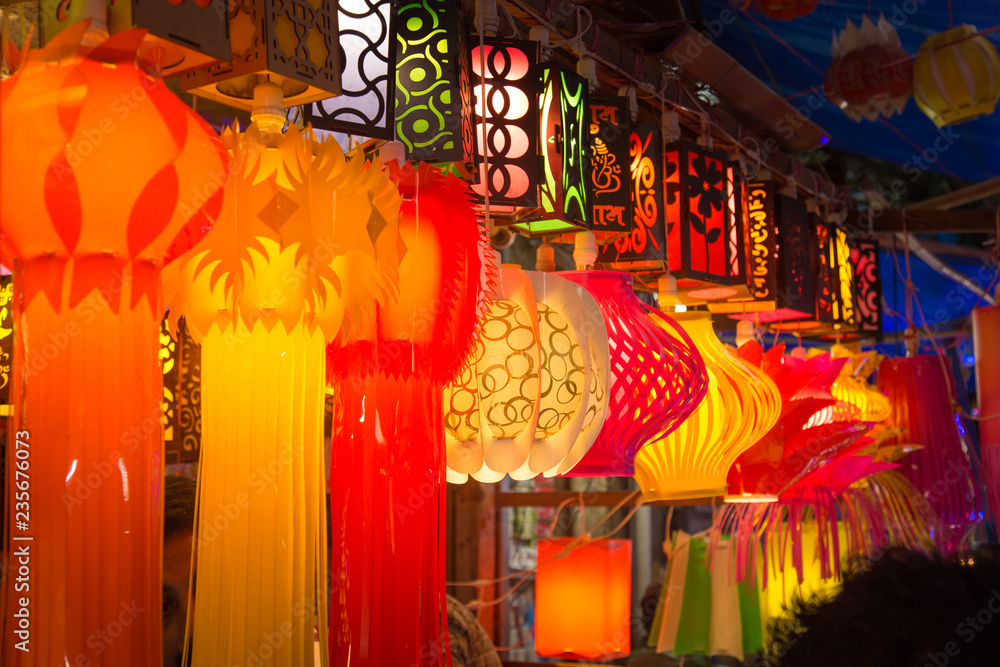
658	377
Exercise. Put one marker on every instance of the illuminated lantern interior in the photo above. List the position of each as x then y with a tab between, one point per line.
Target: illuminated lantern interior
583	599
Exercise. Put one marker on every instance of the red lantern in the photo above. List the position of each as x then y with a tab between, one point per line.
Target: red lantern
986	332
867	286
870	73
785	10
658	377
387	450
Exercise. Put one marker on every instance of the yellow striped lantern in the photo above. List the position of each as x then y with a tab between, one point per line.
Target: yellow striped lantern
956	76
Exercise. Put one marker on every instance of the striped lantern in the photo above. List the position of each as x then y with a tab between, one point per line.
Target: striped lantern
956	76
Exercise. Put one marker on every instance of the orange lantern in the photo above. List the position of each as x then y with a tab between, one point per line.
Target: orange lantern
583	597
104	173
986	331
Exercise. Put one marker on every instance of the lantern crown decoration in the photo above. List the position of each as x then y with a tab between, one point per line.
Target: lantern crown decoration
956	76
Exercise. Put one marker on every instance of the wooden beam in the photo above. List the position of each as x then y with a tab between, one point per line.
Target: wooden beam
966	195
926	221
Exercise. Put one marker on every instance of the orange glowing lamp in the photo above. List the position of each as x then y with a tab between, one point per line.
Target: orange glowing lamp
583	599
92	205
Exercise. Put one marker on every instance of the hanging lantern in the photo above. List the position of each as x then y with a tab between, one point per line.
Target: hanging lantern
563	136
609	169
90	222
180	361
785	10
920	391
182	35
510	116
658	377
737	254
956	76
741	405
870	74
292	45
583	599
534	397
432	63
367	44
6	341
985	333
781	247
644	249
867	287
851	386
387	469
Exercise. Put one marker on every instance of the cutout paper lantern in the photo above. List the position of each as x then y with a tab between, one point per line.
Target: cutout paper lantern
182	35
292	44
985	333
544	382
583	599
304	246
505	123
433	112
867	287
609	167
643	249
90	224
870	74
367	44
563	138
785	10
739	236
658	377
956	76
920	391
387	469
741	405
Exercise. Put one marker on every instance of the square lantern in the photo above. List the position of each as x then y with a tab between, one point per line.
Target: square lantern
294	44
180	363
182	35
608	169
433	106
564	135
739	230
868	287
583	599
643	249
780	248
505	128
6	341
366	102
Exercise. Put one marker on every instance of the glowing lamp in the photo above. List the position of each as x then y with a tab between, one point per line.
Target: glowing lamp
920	391
956	76
505	120
870	74
563	138
867	287
741	405
367	44
387	469
658	377
644	248
290	44
785	10
583	599
609	169
985	332
433	106
533	398
90	224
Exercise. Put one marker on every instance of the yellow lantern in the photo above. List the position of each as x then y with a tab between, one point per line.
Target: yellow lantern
533	399
956	76
851	385
742	404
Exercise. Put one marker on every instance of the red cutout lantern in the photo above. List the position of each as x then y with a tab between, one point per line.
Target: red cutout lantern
867	286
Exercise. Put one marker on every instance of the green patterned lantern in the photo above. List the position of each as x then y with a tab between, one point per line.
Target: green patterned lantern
433	93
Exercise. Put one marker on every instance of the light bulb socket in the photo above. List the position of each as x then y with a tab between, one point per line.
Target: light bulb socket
585	251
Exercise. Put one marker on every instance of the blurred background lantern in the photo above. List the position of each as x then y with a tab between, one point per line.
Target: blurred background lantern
920	390
741	405
505	123
867	287
433	106
89	223
785	10
366	32
986	333
569	387
181	37
291	44
658	377
851	386
304	246
956	76
564	134
643	250
387	470
583	599
608	170
870	74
